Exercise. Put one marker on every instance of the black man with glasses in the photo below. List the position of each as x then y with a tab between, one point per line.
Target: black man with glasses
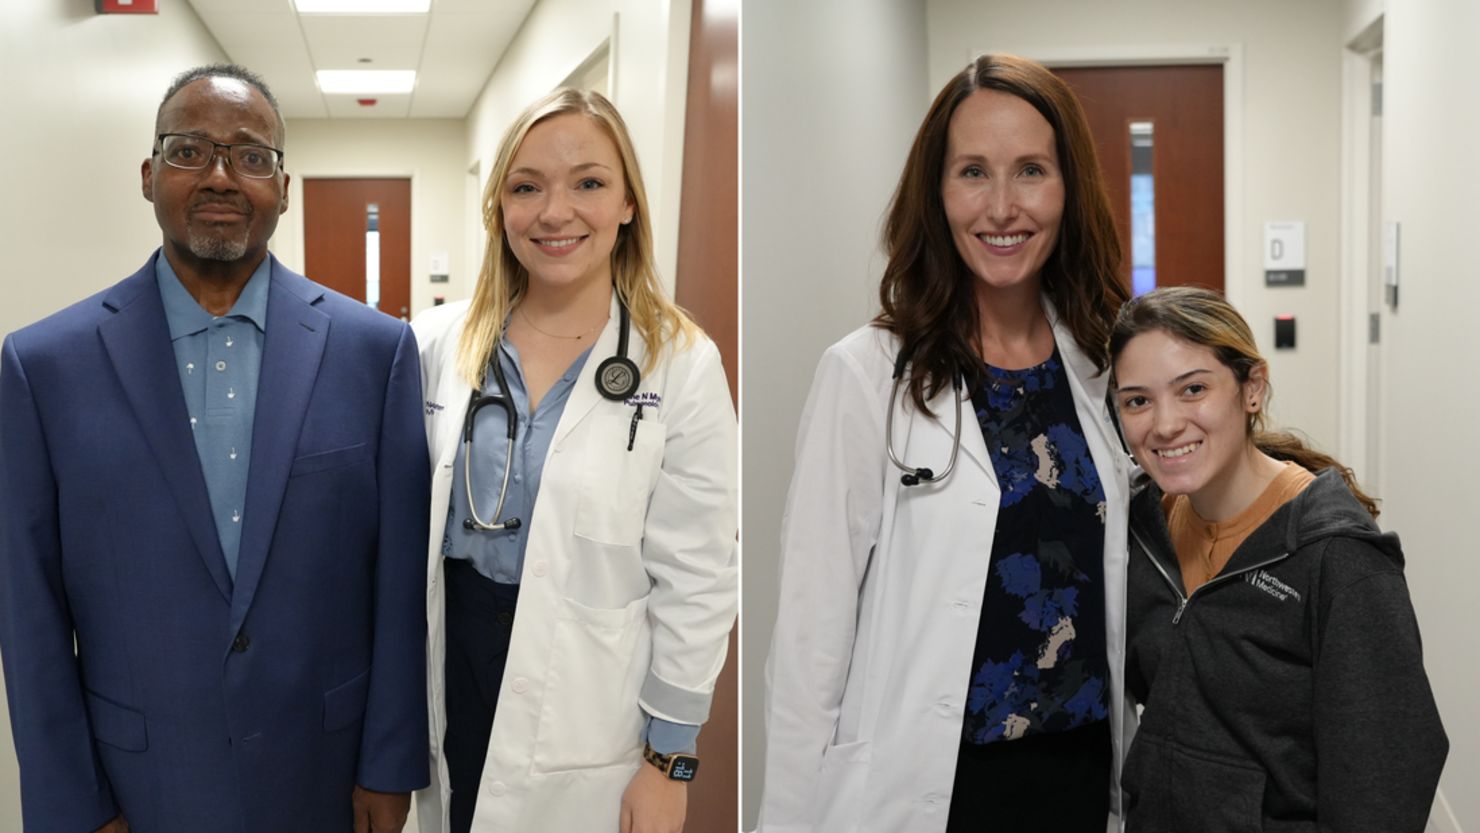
213	515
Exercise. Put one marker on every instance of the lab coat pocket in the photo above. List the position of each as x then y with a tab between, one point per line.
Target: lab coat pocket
619	468
840	786
589	716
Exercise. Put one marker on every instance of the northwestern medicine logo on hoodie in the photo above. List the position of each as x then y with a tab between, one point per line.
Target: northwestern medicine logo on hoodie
1271	585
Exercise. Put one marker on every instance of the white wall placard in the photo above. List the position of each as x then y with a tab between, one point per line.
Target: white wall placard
1284	253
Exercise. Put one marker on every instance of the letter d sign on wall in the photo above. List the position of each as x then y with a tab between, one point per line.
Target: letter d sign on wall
1284	253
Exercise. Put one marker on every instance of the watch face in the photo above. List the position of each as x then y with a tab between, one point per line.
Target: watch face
684	768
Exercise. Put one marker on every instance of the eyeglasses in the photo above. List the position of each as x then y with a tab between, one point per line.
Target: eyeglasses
195	153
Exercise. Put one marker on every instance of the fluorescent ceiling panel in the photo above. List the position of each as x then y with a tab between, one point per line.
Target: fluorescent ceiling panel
363	81
363	6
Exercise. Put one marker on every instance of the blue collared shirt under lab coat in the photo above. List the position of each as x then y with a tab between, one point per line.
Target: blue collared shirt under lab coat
219	359
499	555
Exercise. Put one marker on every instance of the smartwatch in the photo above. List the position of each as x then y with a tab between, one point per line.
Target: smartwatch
678	766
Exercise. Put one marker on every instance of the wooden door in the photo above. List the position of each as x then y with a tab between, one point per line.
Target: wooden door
1183	106
337	214
707	286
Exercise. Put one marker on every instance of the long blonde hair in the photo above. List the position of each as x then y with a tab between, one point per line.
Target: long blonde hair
503	280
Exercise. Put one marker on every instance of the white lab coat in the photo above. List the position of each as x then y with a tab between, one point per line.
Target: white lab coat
881	591
628	590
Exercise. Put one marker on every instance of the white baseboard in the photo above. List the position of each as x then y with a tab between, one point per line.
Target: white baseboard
1442	819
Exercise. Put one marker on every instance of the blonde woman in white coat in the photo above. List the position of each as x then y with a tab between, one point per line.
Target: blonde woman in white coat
949	645
580	605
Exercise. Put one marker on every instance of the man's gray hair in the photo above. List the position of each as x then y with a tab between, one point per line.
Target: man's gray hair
240	73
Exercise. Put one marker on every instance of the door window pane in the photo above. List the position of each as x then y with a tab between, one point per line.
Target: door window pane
1143	210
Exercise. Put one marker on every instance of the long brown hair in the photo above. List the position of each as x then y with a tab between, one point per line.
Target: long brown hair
1205	318
503	280
928	293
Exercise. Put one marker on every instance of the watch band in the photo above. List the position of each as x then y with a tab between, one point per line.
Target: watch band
677	767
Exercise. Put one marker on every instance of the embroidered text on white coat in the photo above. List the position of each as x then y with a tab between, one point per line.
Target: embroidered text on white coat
1271	585
647	399
433	407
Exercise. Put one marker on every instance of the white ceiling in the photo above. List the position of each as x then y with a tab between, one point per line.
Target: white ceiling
453	49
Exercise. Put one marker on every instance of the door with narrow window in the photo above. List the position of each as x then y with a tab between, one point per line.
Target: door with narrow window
1159	135
357	240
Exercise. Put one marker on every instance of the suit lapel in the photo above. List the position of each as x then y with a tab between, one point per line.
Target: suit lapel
137	339
292	349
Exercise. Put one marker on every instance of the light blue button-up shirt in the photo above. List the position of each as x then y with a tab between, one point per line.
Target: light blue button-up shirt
500	555
219	360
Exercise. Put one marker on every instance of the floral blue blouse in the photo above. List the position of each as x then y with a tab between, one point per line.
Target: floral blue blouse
1039	664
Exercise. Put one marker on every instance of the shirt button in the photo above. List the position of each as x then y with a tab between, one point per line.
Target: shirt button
540	568
497	788
521	685
220	366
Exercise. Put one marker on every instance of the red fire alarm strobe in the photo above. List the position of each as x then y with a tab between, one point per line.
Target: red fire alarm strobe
126	6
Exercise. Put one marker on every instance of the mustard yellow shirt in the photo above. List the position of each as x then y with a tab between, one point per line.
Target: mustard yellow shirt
1204	547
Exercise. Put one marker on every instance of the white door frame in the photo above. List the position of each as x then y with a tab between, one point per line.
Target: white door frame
1352	357
1231	57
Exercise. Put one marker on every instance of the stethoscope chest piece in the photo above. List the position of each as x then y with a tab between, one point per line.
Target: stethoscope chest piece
617	378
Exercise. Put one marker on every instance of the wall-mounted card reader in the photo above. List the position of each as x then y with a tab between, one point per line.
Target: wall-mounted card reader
1284	332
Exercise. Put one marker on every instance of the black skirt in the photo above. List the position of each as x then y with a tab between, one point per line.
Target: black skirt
1058	782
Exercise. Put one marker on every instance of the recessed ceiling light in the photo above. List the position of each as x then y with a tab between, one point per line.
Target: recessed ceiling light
363	6
360	81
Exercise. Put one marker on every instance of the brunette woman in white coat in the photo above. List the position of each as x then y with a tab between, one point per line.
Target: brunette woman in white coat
948	650
581	567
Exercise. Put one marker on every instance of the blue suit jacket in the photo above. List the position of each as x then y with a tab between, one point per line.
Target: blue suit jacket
190	704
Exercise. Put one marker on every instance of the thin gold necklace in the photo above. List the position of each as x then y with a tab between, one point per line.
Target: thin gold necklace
527	320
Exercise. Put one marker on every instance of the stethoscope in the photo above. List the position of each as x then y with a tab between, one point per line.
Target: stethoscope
914	476
617	379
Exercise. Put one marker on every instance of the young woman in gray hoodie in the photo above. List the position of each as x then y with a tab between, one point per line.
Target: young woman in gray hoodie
1270	637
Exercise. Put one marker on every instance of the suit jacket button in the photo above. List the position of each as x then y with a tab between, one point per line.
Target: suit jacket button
240	643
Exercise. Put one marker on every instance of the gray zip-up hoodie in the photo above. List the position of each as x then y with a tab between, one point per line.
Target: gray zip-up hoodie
1288	693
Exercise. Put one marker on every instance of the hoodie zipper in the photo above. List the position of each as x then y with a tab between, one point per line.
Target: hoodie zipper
1184	600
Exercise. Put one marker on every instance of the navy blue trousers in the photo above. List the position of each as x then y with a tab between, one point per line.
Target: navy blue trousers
480	618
